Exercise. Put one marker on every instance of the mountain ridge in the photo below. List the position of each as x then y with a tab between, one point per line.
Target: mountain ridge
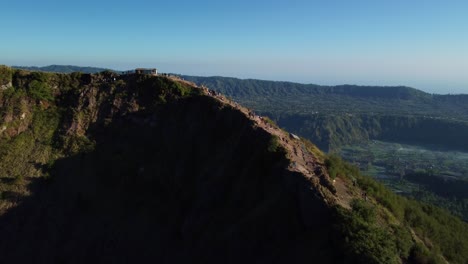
114	134
62	68
117	168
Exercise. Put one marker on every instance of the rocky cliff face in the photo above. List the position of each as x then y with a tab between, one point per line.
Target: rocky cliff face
135	168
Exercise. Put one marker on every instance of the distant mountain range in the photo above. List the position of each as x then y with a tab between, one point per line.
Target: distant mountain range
62	69
218	82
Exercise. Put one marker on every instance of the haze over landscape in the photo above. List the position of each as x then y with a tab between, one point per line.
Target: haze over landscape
421	44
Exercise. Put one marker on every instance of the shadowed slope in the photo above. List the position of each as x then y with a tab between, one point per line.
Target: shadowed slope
190	179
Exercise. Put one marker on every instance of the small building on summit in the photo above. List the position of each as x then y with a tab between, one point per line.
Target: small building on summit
146	71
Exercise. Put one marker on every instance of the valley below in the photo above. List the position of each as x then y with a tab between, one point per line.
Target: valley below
432	175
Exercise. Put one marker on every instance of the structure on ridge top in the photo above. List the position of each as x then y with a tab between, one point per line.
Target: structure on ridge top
150	71
146	71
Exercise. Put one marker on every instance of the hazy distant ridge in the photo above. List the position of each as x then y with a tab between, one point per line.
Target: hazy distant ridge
62	69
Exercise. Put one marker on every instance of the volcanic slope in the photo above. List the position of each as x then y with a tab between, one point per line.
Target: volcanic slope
137	168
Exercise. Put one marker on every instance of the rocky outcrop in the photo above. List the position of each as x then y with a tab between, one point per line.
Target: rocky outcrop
6	86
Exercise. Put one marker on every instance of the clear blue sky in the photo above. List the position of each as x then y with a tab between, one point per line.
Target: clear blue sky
423	44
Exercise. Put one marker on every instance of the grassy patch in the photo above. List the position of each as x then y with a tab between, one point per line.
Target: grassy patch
6	74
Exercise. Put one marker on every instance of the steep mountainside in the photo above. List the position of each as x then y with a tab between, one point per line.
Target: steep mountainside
331	131
136	168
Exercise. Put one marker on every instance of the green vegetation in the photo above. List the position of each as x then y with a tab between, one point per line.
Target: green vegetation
5	74
62	69
313	149
367	241
274	145
29	154
269	121
40	91
168	89
336	167
435	176
434	228
450	194
332	131
77	144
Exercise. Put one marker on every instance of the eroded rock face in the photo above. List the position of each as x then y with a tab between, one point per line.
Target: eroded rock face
171	178
6	86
